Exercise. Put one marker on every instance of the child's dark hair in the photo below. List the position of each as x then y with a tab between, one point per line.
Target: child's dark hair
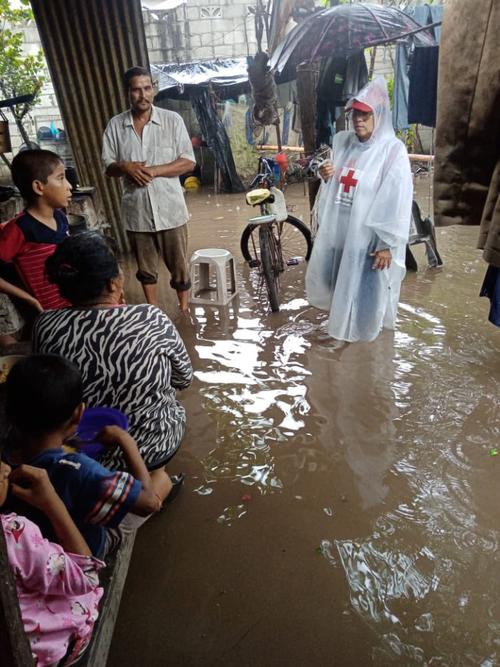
43	391
82	266
133	72
33	165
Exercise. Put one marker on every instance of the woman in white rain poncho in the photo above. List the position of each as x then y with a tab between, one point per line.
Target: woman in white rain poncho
364	211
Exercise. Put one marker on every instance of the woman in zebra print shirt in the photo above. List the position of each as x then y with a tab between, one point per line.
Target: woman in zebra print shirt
131	357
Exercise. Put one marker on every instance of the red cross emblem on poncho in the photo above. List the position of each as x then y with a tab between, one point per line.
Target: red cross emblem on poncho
348	181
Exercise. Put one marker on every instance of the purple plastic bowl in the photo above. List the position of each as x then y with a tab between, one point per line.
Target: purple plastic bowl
92	422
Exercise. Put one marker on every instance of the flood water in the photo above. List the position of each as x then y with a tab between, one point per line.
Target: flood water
341	505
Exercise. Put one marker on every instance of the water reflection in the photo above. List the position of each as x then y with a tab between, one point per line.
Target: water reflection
377	577
375	463
253	386
407	576
400	429
350	388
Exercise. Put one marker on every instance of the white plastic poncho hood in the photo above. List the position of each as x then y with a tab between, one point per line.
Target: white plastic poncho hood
375	95
364	207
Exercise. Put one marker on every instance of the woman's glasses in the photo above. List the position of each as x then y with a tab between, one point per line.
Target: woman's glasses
364	115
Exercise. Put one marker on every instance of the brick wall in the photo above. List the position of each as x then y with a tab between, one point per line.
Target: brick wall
200	30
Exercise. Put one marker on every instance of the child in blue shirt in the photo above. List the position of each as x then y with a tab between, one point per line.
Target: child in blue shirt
44	405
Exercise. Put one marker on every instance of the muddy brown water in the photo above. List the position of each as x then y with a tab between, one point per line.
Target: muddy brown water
341	505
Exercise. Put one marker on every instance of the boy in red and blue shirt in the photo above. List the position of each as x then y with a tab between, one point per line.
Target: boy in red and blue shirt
29	238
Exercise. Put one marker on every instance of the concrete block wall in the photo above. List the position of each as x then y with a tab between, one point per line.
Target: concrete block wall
383	61
200	30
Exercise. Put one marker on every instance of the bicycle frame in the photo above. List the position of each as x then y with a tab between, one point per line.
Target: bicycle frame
274	239
269	219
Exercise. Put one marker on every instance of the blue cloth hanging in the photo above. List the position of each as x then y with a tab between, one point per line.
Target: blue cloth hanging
424	15
422	92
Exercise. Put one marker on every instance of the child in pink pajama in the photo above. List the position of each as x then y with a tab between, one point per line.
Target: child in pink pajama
57	586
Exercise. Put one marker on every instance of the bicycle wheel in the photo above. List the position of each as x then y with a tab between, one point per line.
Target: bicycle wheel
292	235
270	265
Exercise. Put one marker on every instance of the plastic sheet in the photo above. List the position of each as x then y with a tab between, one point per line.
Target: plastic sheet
217	140
228	76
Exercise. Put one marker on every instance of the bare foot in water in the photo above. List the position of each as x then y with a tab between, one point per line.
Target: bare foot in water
183	301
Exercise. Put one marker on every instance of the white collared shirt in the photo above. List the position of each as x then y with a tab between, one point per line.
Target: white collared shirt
159	205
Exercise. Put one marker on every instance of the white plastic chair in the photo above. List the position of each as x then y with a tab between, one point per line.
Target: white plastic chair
213	277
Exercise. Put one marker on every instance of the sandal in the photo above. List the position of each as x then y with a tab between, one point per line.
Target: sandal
177	482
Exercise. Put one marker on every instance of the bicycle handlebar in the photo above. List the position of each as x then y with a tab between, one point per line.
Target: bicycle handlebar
258	180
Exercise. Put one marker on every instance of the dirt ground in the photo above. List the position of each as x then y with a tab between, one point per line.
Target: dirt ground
341	504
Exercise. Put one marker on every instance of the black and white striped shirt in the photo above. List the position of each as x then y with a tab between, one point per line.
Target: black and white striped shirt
131	358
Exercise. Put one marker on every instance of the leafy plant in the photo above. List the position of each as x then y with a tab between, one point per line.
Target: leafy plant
409	136
19	74
390	90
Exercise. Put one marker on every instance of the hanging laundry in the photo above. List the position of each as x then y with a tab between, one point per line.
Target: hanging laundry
424	15
422	93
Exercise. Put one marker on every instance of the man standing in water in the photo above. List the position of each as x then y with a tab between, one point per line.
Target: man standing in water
150	148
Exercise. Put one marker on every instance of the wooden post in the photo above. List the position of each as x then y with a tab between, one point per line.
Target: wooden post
307	82
278	134
340	122
15	650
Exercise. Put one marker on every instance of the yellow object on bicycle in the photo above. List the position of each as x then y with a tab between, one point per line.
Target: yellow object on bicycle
258	196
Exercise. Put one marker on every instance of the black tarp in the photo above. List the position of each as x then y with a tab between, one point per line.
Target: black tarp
340	78
196	81
216	137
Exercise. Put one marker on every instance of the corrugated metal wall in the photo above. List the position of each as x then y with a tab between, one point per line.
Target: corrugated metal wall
88	45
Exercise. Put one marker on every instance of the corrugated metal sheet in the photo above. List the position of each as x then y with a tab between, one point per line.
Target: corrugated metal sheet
88	45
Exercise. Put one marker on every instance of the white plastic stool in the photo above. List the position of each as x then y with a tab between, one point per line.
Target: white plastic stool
212	264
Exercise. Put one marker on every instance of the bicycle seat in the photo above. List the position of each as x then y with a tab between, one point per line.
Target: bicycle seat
259	196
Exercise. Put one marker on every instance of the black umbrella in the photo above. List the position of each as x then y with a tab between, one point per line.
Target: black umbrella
342	30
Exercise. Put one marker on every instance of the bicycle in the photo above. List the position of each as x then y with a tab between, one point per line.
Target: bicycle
273	240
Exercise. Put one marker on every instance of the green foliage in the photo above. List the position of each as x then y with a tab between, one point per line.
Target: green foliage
19	74
409	136
245	155
390	90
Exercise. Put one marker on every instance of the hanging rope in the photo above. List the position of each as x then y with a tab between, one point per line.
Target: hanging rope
264	93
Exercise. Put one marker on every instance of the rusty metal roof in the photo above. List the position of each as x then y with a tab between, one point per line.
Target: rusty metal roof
88	44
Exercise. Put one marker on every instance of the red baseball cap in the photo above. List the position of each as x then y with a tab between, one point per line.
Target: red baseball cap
361	106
